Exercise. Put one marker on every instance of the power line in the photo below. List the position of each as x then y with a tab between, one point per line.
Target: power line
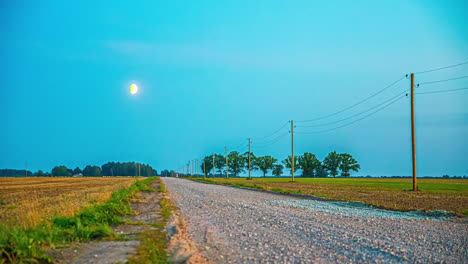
263	144
271	143
443	91
442	68
358	114
358	103
357	120
444	80
276	131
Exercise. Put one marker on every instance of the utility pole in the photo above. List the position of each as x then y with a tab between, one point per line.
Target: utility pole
292	150
227	163
413	136
188	165
214	170
250	177
26	168
204	169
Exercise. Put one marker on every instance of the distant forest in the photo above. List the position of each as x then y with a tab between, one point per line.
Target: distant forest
107	169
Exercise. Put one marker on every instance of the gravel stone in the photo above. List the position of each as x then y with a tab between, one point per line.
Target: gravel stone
246	226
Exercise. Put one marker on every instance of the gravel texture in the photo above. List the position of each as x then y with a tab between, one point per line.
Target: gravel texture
234	225
361	209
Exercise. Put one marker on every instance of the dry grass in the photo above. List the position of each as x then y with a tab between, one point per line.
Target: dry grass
434	194
28	201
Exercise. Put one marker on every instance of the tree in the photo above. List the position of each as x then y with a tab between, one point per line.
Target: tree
92	171
60	171
277	169
348	163
287	163
236	163
308	163
165	173
208	161
40	173
321	171
126	169
265	163
332	162
220	163
96	171
76	170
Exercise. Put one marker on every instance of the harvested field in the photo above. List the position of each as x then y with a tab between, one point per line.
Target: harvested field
28	201
434	194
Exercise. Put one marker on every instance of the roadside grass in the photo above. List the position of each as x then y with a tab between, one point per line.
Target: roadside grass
434	194
153	243
19	244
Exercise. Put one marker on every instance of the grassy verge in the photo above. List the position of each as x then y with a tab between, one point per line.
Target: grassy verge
28	245
434	194
153	243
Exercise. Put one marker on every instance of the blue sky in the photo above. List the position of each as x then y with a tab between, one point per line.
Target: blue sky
213	73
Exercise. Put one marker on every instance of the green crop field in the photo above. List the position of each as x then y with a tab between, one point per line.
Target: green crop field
433	194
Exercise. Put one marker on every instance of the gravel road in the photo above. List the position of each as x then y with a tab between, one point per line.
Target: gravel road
233	225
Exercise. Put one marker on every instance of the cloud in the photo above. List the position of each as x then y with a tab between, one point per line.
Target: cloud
302	59
182	54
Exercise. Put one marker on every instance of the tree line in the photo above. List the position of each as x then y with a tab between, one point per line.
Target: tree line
333	164
107	169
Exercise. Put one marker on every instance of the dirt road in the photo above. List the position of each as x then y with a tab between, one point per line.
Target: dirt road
233	225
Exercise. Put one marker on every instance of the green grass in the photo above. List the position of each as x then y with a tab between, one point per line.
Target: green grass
153	245
152	248
20	245
391	193
438	185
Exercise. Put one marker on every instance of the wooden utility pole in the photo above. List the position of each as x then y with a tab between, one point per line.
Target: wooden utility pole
227	162
292	150
26	168
413	135
214	170
139	170
204	169
249	161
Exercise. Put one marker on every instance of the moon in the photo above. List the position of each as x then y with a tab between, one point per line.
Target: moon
133	88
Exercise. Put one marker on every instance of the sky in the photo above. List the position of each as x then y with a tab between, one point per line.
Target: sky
214	73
